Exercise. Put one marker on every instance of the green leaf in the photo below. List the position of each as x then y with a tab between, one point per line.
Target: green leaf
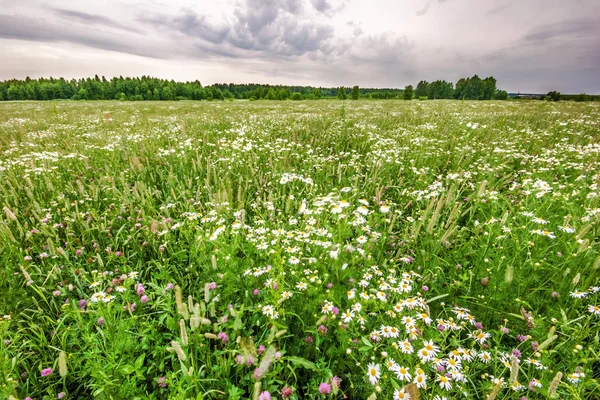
366	342
127	369
303	362
139	363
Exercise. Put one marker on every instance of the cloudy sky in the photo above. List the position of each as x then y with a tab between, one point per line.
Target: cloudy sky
528	45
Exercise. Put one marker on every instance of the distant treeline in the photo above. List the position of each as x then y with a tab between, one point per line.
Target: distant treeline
556	96
148	88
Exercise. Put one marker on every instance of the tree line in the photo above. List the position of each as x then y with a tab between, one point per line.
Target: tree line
149	88
557	96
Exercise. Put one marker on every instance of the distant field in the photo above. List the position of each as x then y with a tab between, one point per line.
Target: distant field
339	249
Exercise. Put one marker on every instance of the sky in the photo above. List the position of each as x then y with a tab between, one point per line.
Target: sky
529	46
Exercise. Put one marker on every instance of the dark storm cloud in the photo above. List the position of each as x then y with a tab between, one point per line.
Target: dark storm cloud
92	19
270	28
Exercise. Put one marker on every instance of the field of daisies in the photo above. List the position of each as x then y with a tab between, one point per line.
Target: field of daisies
291	250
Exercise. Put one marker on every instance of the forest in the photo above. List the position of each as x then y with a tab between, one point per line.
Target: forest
149	88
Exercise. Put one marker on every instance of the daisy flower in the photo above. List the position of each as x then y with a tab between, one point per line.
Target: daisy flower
373	373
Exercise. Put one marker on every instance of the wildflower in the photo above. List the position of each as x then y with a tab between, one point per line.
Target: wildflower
535	383
268	310
46	372
324	388
401	395
420	379
594	309
264	396
428	352
144	299
286	392
322	329
223	337
485	357
347	316
403	374
578	294
575	377
335	382
100	321
444	381
373	373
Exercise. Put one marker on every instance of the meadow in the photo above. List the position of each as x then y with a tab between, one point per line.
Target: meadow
301	250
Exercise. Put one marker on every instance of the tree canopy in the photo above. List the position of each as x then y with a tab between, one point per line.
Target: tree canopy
149	88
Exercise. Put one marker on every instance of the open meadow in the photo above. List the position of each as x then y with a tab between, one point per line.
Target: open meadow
302	250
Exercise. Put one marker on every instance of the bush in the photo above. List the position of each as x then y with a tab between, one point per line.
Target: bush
297	96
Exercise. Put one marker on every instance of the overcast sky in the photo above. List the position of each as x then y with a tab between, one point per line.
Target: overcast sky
528	45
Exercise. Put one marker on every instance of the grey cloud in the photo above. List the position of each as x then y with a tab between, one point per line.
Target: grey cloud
571	29
33	29
193	25
92	19
266	28
564	56
321	5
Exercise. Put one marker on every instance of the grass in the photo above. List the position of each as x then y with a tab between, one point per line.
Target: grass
193	250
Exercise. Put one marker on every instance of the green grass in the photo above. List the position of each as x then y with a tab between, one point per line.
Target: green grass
374	207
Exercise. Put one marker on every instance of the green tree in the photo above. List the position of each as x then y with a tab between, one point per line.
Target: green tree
440	90
489	88
317	93
474	89
82	94
271	95
501	95
167	93
422	89
553	96
341	93
355	93
408	93
459	91
297	96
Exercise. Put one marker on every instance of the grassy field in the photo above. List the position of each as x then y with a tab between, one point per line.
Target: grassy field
303	250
